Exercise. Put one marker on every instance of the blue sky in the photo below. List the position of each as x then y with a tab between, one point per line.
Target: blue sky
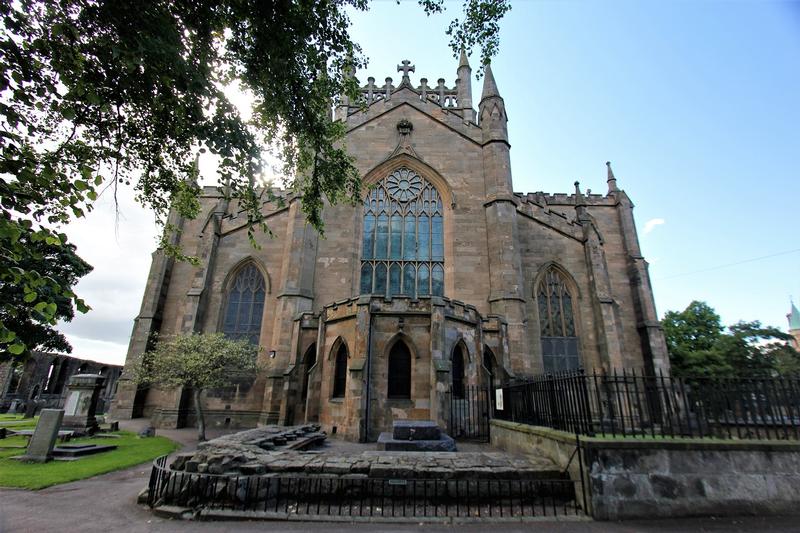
696	104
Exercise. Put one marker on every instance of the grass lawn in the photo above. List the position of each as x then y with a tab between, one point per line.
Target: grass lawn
17	422
131	450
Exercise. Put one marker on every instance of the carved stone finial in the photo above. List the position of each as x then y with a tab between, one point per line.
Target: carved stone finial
441	90
404	126
371	88
406	67
423	89
388	88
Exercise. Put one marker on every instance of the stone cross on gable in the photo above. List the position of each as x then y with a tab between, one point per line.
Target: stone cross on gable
406	67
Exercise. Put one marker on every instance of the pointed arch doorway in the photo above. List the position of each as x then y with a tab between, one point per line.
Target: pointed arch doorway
309	400
468	398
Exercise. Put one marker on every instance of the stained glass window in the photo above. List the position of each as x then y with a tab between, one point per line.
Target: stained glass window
340	372
557	324
403	242
245	305
399	371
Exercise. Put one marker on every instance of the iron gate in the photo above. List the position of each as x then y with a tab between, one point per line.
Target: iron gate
470	410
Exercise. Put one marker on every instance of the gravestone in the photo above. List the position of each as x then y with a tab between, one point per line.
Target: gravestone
14	407
83	392
30	407
40	447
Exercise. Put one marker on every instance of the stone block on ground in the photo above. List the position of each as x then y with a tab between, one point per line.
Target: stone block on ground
415	430
40	447
387	442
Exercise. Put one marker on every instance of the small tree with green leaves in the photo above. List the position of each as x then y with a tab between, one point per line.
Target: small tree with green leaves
198	361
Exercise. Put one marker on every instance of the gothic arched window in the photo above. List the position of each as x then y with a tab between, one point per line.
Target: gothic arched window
403	244
557	323
399	371
340	372
245	305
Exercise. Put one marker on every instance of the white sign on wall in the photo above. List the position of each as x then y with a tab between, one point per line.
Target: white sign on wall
498	399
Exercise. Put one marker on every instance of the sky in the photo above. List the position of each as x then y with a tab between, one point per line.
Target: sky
694	103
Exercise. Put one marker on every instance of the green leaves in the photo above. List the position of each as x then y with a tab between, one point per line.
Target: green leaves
16	349
127	94
200	361
698	346
36	274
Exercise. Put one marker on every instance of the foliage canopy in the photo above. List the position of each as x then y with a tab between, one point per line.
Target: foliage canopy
98	94
33	325
198	362
698	345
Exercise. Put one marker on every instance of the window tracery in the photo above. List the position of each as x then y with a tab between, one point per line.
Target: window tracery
403	240
245	305
557	323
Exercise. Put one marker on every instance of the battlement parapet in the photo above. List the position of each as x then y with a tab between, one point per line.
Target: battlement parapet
564	199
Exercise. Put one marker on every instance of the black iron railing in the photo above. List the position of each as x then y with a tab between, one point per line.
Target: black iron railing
470	411
283	495
635	404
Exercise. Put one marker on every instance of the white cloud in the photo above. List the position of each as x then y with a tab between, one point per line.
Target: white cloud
651	224
96	350
120	255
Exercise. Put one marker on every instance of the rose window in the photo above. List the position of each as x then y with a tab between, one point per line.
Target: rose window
404	184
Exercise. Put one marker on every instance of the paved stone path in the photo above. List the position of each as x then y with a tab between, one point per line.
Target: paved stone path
107	504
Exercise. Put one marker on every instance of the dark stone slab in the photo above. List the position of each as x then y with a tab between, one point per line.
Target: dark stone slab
444	444
415	430
80	450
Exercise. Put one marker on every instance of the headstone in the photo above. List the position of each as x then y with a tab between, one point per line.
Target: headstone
14	407
3	433
40	447
113	425
83	392
30	408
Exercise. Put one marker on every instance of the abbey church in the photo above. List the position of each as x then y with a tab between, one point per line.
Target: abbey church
443	279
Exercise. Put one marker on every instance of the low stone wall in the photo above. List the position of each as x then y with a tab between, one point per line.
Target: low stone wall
629	478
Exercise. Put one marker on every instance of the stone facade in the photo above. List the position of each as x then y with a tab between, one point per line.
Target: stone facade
480	267
44	376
